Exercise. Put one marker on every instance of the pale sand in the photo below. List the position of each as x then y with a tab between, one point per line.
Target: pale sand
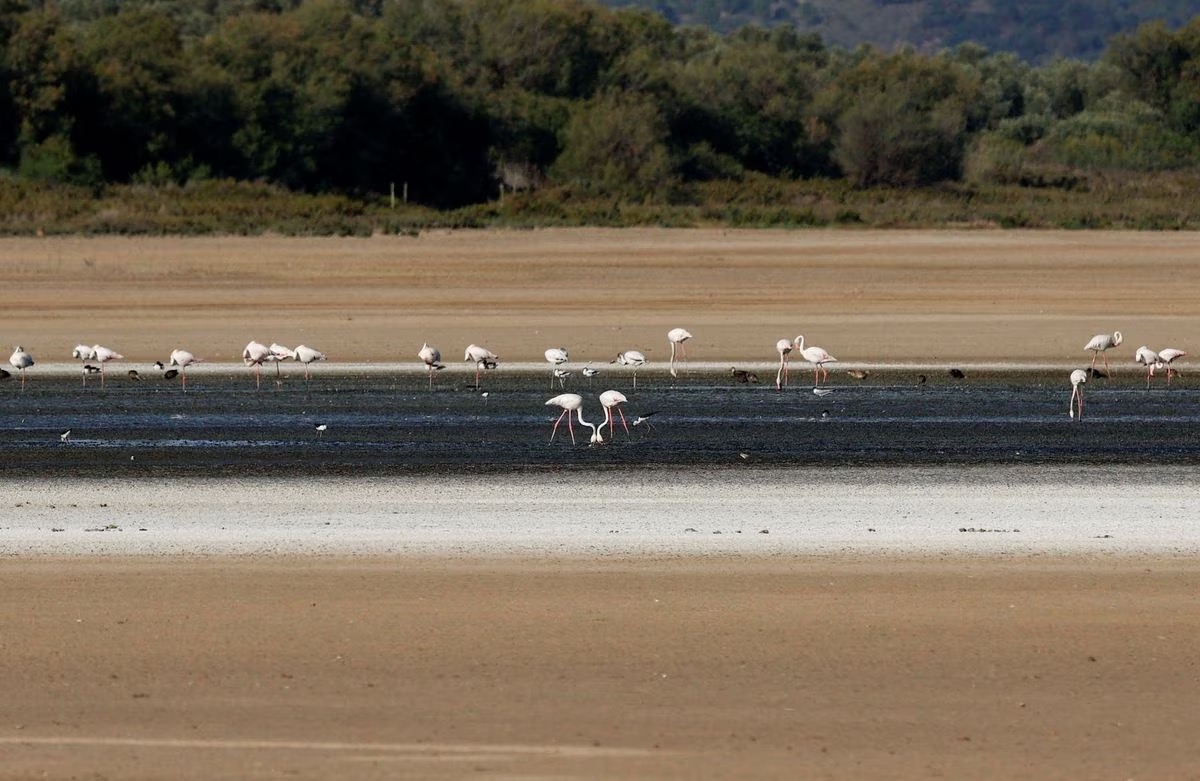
869	296
813	667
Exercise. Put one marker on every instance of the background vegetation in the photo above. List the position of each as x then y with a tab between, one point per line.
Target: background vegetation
306	117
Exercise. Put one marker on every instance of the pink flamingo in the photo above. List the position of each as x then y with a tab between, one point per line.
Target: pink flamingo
612	400
784	346
571	402
182	359
1099	344
677	336
432	358
1078	378
817	357
255	354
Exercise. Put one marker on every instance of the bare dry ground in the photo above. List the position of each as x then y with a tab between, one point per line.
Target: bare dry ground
867	296
696	668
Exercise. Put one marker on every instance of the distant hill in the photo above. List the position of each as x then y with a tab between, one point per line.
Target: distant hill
1036	30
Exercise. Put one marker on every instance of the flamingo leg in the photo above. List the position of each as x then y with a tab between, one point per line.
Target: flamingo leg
258	376
570	426
623	421
101	376
183	376
554	430
1095	355
1106	369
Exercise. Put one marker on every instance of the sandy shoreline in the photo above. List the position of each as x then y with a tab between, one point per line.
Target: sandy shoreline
866	296
836	667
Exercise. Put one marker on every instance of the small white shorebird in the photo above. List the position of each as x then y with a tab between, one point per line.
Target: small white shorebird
634	358
432	358
557	356
562	375
482	357
307	355
255	354
21	360
321	428
590	372
817	357
1099	344
677	336
1078	378
571	402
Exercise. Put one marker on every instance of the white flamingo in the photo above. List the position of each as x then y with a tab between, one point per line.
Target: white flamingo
677	336
634	358
1150	359
103	355
612	400
784	347
1098	345
83	353
482	357
307	355
21	360
817	357
255	354
571	402
1168	356
1078	378
557	356
182	359
432	358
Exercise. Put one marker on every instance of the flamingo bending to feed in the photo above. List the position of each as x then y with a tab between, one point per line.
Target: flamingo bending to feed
571	402
1099	344
784	346
612	400
817	357
1168	356
677	336
1078	378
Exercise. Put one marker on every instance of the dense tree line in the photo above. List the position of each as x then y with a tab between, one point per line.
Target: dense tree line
451	97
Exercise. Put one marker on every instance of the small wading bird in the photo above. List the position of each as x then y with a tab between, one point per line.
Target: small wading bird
677	336
557	356
182	359
571	402
255	354
321	428
817	357
589	372
133	375
21	360
1078	378
634	358
482	357
307	355
65	436
644	420
741	375
612	400
432	358
784	347
562	375
1099	344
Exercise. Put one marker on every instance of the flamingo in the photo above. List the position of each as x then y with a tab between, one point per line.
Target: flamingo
83	353
1150	359
1100	343
182	359
254	355
571	402
1168	356
103	355
21	361
482	357
612	400
1078	378
307	355
634	358
432	358
557	356
784	346
817	357
677	336
278	355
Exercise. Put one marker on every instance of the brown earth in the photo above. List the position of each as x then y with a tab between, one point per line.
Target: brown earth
695	668
866	296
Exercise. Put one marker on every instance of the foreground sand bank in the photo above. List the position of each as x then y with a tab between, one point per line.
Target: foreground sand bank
866	296
839	667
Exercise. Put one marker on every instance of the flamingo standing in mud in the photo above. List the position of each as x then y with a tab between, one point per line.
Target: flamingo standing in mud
634	358
571	402
1099	344
432	358
784	346
817	357
103	355
254	354
677	336
21	360
1078	378
182	359
612	400
306	355
1168	356
483	358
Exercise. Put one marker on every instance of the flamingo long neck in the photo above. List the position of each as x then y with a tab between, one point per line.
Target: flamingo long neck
579	412
800	343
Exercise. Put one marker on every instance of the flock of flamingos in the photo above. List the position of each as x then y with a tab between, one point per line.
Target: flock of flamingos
255	355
